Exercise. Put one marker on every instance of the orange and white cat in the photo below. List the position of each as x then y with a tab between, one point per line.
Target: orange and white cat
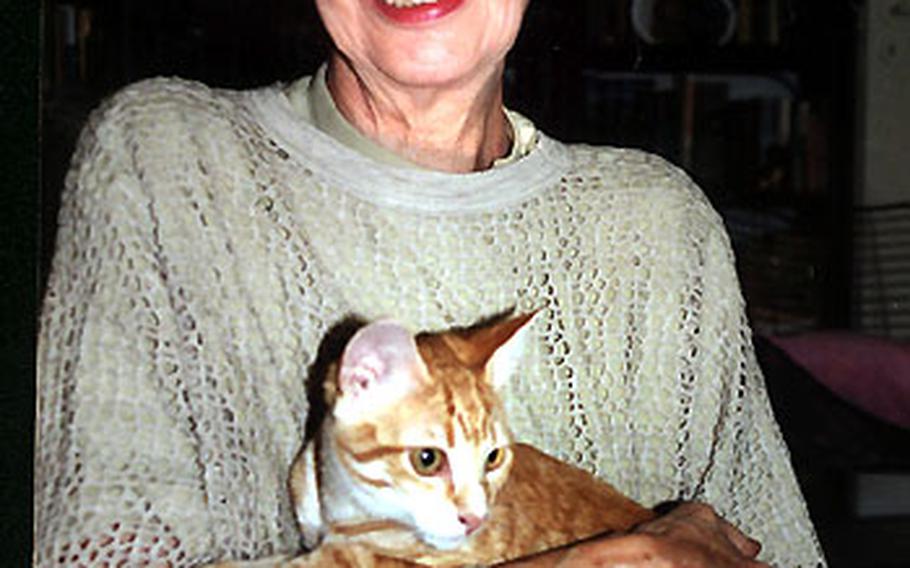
416	461
415	464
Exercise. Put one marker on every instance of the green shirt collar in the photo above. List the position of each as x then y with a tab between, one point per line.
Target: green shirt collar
311	98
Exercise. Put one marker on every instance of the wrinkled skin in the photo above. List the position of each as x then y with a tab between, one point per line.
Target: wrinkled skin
431	93
690	536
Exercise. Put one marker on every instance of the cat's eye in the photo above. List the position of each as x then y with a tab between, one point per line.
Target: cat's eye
495	458
427	461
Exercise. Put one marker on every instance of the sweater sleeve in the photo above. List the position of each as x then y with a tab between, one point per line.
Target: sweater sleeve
743	468
118	472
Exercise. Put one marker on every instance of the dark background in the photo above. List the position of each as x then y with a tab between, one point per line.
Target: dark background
764	123
19	172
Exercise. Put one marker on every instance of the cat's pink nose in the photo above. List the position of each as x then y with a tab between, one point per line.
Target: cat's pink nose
471	522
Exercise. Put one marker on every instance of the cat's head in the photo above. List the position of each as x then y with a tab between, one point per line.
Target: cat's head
419	428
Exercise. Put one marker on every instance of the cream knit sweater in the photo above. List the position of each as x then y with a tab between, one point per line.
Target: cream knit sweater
209	240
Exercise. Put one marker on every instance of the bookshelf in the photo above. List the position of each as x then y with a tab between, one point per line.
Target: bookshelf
762	119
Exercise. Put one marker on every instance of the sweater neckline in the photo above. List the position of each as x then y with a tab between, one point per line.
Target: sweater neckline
311	100
412	189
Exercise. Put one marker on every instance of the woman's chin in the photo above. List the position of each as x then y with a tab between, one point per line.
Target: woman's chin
434	65
427	76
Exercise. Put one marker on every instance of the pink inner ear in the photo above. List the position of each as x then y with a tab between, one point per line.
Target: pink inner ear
379	356
366	372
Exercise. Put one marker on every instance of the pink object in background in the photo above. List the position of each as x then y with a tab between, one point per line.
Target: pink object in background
871	373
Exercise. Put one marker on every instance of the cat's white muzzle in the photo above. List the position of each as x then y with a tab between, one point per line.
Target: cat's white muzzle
442	541
445	531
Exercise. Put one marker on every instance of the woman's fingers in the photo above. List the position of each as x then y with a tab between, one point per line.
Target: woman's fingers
691	535
696	532
748	546
707	516
651	551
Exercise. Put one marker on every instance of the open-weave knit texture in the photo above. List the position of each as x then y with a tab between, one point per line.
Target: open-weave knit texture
208	241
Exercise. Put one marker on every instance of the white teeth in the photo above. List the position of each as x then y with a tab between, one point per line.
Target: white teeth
408	3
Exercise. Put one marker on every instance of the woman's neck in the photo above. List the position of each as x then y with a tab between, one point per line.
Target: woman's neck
458	128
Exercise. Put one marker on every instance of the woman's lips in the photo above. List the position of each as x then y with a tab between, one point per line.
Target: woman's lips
408	13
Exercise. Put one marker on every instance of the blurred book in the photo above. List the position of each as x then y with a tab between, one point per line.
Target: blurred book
71	45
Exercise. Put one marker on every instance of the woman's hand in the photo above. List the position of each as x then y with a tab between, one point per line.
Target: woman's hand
692	535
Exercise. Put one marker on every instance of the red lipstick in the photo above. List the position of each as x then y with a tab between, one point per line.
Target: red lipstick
410	15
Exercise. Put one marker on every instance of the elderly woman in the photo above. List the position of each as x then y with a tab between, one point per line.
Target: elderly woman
209	239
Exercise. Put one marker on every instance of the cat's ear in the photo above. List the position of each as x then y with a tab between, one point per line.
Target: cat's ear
513	336
379	366
497	347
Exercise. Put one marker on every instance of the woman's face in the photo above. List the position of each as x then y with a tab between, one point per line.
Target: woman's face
423	45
